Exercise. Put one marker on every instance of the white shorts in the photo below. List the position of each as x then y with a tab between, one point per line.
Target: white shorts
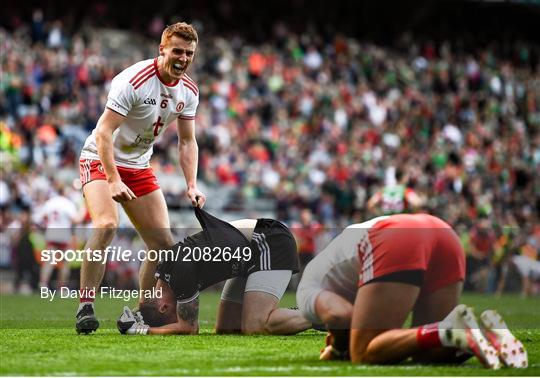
273	282
527	267
306	293
334	269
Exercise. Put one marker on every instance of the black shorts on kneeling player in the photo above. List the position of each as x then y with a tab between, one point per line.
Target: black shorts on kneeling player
272	247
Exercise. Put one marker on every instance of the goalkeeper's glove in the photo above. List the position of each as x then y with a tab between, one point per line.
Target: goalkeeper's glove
138	316
128	324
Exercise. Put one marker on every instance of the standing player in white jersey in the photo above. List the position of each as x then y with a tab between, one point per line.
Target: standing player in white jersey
143	100
57	215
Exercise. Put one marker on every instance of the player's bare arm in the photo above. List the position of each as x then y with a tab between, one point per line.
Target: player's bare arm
188	154
414	199
188	314
187	320
107	124
374	201
187	324
336	313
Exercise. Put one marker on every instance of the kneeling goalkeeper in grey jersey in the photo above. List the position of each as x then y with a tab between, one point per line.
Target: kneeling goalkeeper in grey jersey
257	257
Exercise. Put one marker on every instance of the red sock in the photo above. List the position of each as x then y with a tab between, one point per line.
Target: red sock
86	295
427	336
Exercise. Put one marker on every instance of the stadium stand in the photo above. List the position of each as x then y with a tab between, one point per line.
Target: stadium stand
294	116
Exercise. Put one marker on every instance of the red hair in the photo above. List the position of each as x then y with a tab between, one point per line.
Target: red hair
180	29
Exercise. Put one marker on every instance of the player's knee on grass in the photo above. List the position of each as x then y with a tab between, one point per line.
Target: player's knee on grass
362	352
256	311
255	327
229	317
359	341
263	291
260	315
279	321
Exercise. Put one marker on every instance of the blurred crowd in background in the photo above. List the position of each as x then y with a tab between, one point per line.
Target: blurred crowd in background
311	125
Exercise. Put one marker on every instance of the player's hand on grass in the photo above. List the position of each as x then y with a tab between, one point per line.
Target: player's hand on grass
196	197
120	191
326	353
329	352
129	324
138	316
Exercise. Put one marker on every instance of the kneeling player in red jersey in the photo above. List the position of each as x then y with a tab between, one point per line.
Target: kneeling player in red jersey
257	257
365	283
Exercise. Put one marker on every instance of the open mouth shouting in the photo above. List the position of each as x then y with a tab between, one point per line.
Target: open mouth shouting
178	69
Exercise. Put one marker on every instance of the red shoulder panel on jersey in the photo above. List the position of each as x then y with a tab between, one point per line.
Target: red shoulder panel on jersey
191	86
190	80
141	81
141	73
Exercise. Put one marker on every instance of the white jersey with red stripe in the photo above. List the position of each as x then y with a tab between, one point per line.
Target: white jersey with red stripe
336	267
57	215
149	105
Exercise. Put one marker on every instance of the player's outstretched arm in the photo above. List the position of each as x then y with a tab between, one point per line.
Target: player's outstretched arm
188	152
414	199
336	313
374	201
107	124
133	324
187	320
172	329
130	324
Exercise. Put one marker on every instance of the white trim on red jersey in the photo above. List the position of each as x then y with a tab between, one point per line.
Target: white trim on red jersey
336	267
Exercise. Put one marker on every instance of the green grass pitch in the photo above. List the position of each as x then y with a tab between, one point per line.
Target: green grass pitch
38	338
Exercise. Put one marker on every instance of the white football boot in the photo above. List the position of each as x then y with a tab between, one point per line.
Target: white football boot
461	330
510	349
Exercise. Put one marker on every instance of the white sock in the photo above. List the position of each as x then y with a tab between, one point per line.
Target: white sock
445	335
